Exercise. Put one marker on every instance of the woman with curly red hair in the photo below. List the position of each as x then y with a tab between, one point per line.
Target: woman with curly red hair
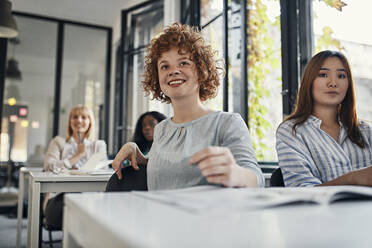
196	146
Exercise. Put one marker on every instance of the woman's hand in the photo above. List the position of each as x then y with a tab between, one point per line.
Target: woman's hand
128	151
218	165
361	177
81	149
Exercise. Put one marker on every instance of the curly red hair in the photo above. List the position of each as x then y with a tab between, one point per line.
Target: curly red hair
188	40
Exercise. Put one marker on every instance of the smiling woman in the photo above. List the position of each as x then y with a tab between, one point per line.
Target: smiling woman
71	152
196	146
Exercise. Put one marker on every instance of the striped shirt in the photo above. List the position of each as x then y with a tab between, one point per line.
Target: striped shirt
312	157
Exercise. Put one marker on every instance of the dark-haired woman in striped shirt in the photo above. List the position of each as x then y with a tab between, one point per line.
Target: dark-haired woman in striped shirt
322	142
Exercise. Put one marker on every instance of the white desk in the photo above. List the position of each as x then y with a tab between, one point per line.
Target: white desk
44	182
126	220
23	177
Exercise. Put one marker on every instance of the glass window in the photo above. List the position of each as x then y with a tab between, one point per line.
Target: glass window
211	14
83	73
235	60
210	9
264	66
341	30
264	76
27	120
145	23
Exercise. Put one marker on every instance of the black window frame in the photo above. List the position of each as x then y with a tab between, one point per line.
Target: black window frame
124	50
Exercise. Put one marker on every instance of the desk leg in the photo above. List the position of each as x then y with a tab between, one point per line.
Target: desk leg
68	241
33	215
21	188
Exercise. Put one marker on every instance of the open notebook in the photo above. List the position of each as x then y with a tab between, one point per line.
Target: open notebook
97	164
212	199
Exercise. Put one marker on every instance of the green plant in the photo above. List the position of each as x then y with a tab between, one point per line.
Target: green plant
326	39
262	60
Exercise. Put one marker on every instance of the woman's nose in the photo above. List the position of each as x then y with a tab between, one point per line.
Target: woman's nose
174	71
332	82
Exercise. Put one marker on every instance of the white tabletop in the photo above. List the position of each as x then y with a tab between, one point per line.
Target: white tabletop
46	182
125	219
40	176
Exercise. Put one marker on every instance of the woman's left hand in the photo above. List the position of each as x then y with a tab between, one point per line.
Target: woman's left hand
218	165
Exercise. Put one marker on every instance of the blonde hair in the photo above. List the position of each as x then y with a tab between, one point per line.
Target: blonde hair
82	110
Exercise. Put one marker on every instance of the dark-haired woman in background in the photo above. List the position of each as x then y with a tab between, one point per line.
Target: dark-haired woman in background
322	142
143	137
144	131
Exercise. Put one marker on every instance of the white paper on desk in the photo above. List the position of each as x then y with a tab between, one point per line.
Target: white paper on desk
210	199
97	164
96	161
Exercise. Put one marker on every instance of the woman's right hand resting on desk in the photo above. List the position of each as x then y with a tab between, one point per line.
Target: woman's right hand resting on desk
362	177
131	152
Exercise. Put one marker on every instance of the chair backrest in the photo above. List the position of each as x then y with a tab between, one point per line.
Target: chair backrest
276	179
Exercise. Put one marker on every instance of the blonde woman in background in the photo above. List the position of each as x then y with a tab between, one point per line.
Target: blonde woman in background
70	152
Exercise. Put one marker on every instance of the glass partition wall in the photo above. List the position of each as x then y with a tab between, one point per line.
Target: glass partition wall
50	67
83	72
27	116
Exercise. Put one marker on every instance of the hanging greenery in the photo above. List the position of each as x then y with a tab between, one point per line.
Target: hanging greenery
263	58
326	39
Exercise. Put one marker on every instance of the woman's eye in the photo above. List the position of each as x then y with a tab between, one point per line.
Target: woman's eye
163	67
183	63
324	75
342	76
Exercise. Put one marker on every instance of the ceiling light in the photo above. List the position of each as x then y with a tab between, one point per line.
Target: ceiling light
8	26
12	101
12	70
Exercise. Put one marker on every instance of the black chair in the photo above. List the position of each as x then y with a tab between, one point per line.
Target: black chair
276	179
132	180
50	230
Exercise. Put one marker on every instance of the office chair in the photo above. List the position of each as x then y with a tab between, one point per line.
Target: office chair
133	180
276	179
50	230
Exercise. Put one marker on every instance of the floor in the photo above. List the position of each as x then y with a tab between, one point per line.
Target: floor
8	233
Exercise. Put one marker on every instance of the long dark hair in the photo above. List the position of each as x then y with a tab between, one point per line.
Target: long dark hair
347	110
138	136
